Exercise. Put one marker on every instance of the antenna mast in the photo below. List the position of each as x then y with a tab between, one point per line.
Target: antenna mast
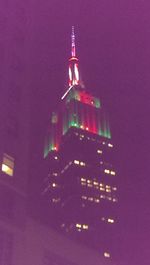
73	49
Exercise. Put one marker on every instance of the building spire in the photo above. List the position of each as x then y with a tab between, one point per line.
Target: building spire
73	63
73	48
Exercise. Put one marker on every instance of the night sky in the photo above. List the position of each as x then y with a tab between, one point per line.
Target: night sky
112	44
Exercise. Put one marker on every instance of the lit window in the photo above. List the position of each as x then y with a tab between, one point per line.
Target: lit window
55	174
97	200
84	197
110	220
78	225
85	227
95	183
101	185
103	218
83	179
106	254
102	189
76	162
81	135
89	181
107	171
90	199
99	151
114	200
110	145
114	188
103	142
108	190
82	164
113	173
55	157
8	165
54	185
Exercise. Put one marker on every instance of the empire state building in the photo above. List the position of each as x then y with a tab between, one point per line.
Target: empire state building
80	187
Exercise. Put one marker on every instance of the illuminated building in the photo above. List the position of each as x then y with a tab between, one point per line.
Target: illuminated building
81	184
19	232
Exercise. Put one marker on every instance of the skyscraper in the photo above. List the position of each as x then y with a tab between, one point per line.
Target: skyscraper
80	186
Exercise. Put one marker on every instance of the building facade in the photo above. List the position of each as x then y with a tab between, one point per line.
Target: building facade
80	186
14	129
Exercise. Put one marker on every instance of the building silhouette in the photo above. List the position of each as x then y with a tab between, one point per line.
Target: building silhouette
80	187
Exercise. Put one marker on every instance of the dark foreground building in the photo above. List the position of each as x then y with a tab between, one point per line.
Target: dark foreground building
81	184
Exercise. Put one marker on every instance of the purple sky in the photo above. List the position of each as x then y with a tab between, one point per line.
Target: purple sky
113	40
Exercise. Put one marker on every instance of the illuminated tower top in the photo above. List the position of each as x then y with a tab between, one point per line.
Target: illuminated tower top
78	110
73	63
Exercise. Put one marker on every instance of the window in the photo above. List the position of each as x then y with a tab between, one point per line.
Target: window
81	163
85	227
113	173
106	254
107	171
8	165
76	162
55	174
99	151
110	220
110	145
54	185
82	227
